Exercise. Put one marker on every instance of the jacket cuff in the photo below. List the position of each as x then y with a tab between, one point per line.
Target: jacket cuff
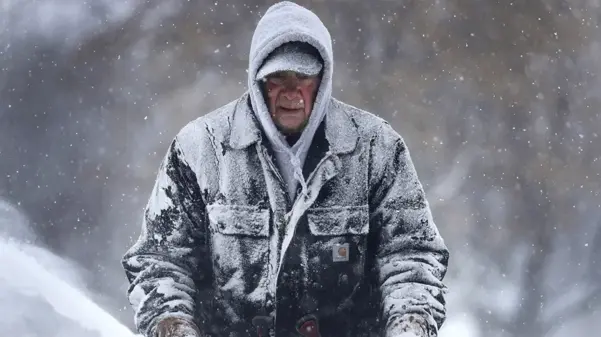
176	326
409	325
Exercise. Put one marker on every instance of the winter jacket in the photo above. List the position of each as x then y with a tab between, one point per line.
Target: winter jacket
223	245
213	243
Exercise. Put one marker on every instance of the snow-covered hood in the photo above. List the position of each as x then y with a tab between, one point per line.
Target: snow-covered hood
288	22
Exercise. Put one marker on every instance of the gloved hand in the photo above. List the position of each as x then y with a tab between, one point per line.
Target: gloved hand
407	334
407	326
177	327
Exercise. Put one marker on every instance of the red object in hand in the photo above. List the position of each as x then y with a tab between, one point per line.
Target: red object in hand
309	328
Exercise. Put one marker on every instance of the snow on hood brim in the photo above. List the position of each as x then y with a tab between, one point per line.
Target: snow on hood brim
290	58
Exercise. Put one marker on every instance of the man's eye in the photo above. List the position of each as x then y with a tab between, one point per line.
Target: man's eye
276	80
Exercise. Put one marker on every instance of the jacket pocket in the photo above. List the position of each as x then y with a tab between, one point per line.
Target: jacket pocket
336	252
351	220
239	248
239	220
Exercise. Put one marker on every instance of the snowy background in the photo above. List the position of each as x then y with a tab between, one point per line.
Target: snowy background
498	100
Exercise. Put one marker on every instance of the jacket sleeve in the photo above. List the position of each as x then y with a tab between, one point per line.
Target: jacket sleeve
411	256
164	264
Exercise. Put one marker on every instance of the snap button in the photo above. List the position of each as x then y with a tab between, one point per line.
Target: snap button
308	326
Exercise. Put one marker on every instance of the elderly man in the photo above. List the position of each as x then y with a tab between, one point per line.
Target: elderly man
287	212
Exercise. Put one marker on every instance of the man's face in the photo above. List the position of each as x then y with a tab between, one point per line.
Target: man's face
290	99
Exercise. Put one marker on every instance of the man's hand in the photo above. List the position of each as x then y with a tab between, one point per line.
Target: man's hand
409	326
177	327
407	334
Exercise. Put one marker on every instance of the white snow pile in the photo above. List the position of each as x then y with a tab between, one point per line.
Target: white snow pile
39	292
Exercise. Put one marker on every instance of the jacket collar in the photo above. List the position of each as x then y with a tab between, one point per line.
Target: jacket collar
341	129
244	129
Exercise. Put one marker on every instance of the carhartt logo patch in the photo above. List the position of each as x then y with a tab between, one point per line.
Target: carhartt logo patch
340	252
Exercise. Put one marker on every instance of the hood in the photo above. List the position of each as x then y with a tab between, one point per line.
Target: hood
288	22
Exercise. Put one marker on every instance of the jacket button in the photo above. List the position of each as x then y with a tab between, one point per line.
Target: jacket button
308	326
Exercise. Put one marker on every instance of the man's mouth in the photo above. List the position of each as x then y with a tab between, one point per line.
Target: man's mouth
292	105
290	109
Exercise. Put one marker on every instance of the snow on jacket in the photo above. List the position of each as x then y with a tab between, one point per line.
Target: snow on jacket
222	244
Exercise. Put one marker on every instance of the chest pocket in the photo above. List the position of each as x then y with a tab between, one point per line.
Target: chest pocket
239	242
337	249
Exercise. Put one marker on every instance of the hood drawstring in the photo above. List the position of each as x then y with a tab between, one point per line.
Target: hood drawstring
298	172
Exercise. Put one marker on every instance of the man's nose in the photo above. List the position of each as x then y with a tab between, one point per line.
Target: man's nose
291	93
